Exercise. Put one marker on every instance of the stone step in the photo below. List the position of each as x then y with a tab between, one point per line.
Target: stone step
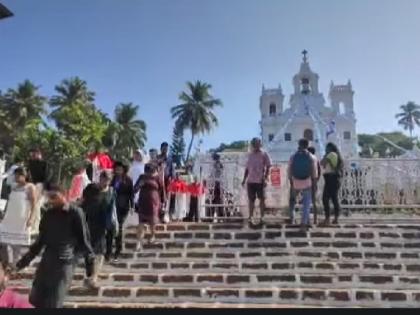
275	244
292	238
183	227
260	280
352	236
331	230
279	295
353	264
165	305
390	268
267	260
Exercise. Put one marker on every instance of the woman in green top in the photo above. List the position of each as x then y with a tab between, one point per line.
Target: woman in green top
333	165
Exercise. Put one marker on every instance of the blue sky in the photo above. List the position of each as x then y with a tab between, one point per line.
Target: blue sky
143	51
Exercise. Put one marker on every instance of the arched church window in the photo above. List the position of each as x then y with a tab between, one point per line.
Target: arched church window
304	86
270	137
287	136
347	135
308	134
273	109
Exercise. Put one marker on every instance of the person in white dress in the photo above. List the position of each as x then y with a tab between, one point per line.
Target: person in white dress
137	168
19	220
10	174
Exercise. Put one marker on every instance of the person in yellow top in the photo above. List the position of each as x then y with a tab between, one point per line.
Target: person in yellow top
333	165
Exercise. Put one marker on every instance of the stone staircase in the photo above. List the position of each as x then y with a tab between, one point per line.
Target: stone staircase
274	265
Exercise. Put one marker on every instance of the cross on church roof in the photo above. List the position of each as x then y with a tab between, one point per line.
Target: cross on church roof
304	53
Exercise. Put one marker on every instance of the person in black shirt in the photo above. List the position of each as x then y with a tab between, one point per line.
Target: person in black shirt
63	235
166	162
98	204
37	167
38	175
123	187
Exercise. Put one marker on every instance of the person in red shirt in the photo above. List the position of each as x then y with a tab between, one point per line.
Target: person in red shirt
195	190
8	297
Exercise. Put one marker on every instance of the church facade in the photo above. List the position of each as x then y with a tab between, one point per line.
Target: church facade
308	116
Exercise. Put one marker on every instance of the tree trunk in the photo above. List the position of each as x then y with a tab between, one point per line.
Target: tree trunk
190	146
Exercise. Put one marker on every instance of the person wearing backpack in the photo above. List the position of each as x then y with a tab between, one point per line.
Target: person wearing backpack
302	173
333	166
256	177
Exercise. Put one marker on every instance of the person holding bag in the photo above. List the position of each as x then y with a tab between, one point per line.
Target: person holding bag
333	168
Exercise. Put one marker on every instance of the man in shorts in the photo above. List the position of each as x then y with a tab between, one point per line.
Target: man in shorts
256	177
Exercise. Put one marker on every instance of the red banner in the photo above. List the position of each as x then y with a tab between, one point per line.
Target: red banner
275	176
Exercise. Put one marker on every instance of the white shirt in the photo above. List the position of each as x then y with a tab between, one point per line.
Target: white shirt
11	175
136	169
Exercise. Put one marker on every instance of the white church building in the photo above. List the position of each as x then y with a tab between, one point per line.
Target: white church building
308	116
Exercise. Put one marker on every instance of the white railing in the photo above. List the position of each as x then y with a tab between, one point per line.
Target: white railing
366	183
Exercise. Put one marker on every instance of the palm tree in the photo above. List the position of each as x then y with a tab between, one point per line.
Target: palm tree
178	145
196	113
23	104
129	133
70	92
5	126
409	117
19	108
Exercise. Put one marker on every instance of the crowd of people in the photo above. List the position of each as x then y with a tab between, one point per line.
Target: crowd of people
304	172
87	221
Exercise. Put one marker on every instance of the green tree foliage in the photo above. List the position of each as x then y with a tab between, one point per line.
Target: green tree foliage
374	143
18	108
196	113
79	127
234	146
409	117
178	145
70	92
62	154
127	133
81	124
